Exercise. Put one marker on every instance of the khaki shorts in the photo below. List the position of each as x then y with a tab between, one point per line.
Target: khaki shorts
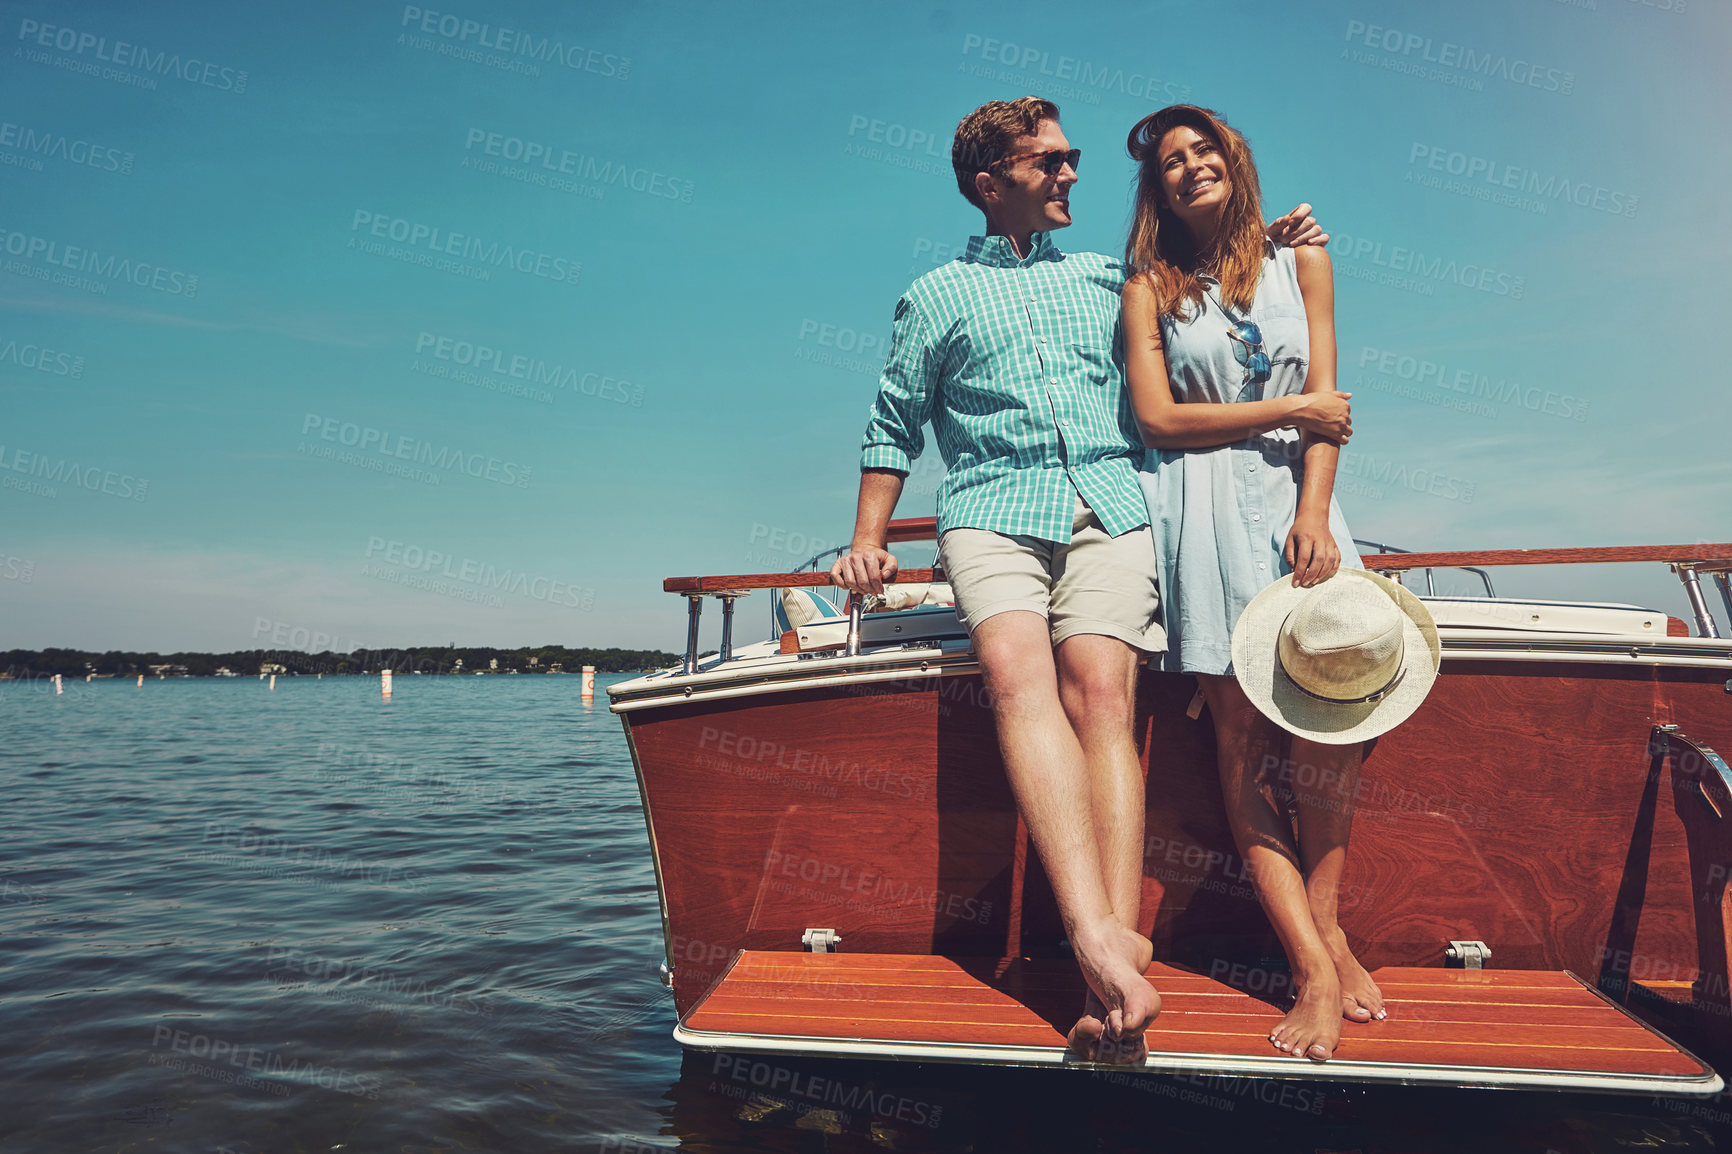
1096	584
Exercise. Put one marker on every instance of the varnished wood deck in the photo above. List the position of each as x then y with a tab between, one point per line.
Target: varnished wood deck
1533	1028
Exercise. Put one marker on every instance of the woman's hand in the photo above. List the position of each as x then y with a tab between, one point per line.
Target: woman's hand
1324	414
1312	551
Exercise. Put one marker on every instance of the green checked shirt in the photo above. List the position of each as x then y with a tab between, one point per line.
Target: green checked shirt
1013	363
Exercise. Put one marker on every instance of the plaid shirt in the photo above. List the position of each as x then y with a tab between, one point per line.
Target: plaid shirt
1015	364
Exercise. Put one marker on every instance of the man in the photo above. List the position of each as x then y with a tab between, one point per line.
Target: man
1009	352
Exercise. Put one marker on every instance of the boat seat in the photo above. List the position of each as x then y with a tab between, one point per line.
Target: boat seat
927	622
1480	1028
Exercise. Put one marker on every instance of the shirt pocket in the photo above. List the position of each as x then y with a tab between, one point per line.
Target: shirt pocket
1286	334
1095	363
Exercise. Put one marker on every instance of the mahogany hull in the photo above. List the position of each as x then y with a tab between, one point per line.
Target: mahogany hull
1521	806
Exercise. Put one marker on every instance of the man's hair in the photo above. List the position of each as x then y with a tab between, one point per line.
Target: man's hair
987	135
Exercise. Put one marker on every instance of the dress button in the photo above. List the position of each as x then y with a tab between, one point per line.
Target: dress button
1256	516
1262	564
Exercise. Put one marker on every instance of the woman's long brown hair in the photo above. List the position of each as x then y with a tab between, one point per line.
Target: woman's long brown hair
1162	250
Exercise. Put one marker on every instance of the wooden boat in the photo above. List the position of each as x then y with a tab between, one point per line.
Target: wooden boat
1537	879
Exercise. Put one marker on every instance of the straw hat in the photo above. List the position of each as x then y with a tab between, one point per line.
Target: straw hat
1340	662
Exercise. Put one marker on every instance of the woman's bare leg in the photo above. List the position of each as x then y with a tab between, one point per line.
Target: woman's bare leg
1325	781
1248	750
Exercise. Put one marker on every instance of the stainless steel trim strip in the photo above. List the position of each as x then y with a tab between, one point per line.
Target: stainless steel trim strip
900	664
1208	1065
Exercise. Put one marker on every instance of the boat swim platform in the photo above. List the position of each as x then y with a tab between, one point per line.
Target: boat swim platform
1491	1029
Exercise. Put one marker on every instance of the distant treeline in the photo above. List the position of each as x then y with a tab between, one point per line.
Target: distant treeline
252	662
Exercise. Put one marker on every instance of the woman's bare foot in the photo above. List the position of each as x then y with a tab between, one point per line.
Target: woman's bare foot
1361	1000
1312	1028
1113	959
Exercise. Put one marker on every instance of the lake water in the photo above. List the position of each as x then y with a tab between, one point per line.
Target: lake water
241	920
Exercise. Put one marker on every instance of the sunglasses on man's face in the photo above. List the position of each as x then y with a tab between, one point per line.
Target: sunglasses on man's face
1051	163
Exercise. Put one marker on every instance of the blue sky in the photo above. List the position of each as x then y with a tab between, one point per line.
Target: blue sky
594	295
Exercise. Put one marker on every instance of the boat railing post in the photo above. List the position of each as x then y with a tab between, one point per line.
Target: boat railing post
693	612
1705	626
1725	583
727	600
855	603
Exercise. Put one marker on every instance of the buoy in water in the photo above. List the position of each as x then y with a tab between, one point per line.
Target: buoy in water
588	682
141	681
385	683
273	681
58	688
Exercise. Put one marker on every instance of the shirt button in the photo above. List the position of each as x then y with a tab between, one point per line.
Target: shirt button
1262	564
1256	516
1052	380
1043	340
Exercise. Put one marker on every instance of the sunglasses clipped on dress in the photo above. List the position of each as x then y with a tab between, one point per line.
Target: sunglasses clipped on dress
1248	351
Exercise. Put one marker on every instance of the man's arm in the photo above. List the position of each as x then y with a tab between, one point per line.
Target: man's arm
1297	228
868	564
893	439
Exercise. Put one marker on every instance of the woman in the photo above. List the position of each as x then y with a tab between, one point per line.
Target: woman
1230	358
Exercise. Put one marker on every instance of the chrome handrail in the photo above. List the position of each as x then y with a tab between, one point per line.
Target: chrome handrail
1705	626
1430	584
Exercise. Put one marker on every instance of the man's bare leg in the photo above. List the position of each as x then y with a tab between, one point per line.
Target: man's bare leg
1050	778
1097	682
1246	743
1325	781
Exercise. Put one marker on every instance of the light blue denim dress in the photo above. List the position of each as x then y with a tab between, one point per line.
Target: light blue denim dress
1221	516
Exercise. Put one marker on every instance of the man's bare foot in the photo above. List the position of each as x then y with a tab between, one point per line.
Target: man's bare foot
1361	1000
1087	1039
1113	959
1312	1028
